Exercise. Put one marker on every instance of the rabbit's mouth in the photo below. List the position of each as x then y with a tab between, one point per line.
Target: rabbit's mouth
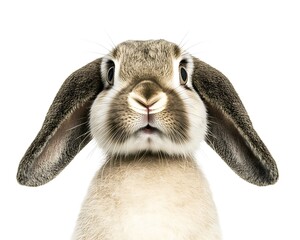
148	132
149	129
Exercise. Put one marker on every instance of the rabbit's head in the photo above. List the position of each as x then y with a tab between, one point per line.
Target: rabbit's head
147	96
148	102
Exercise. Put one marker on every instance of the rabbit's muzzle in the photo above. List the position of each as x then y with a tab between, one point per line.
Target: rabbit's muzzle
147	98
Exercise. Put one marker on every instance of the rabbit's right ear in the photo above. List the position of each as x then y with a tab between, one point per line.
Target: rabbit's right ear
65	130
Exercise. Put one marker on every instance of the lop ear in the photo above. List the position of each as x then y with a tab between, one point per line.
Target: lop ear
65	130
231	133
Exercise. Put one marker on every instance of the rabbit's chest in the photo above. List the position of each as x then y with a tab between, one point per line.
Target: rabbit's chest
149	203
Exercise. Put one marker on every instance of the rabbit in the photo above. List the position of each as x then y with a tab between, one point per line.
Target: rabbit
148	105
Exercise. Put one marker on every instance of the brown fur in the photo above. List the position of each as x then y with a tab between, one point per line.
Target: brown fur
70	108
232	135
150	58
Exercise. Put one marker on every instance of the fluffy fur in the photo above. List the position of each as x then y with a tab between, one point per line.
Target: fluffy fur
148	197
64	131
148	104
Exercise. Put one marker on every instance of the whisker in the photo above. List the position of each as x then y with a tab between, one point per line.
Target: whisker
78	125
181	44
98	44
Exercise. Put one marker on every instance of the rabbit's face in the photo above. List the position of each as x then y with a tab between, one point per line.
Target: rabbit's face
148	102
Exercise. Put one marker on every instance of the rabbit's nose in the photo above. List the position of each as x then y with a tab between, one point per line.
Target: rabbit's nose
147	98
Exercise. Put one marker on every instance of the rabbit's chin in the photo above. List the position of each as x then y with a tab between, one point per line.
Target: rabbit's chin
152	140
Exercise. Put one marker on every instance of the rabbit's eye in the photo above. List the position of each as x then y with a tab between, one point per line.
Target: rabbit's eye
110	75
183	75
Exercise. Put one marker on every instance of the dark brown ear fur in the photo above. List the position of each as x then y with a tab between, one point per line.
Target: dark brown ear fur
65	130
231	133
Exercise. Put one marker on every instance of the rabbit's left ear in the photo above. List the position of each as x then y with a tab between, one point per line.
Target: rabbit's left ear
65	130
230	132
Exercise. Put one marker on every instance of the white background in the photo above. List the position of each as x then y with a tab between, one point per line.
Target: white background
254	43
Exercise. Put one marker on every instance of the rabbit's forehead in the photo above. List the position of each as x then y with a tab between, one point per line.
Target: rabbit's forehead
146	59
